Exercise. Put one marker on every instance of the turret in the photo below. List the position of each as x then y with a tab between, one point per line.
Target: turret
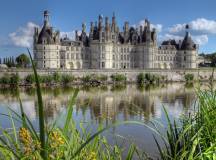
107	29
91	34
83	28
100	23
113	27
76	36
46	18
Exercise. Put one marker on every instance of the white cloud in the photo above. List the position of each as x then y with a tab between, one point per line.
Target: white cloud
200	39
23	37
198	26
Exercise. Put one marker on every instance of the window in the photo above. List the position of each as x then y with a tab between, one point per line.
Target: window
68	56
184	58
113	65
103	55
128	57
113	57
103	64
124	50
124	57
67	48
121	57
77	56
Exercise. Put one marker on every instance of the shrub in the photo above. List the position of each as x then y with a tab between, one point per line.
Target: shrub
14	79
5	79
45	79
148	78
67	78
87	78
118	77
189	77
30	79
56	77
141	78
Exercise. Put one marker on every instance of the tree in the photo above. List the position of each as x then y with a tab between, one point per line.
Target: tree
22	60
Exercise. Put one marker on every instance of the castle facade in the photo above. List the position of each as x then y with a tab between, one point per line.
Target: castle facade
107	47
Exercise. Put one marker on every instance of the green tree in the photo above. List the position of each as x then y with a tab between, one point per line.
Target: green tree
22	60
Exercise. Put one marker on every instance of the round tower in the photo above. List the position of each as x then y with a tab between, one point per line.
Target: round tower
188	53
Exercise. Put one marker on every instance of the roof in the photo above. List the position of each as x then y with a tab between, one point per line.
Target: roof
45	35
188	43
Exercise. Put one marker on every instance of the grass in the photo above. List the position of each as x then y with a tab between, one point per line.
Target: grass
195	137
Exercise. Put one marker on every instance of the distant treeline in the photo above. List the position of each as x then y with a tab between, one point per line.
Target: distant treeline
20	61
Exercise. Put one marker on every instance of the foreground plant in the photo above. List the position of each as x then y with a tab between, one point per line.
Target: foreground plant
195	137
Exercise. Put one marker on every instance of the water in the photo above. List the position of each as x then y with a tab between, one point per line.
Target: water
107	105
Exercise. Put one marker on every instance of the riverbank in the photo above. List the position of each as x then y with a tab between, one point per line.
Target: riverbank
25	78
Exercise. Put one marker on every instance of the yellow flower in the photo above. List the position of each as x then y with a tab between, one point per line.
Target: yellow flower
56	139
25	136
92	156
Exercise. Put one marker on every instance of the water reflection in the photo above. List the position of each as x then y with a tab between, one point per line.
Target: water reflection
108	102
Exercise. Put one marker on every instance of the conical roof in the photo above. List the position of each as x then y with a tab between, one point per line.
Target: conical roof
188	43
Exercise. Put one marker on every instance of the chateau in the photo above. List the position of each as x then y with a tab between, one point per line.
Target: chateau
107	47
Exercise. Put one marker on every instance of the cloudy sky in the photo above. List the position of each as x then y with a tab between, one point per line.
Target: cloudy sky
169	17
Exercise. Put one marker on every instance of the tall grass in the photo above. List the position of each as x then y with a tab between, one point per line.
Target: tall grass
195	137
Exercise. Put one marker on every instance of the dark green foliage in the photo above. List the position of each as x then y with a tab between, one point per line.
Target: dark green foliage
5	79
14	79
195	136
118	77
56	77
22	60
148	78
66	79
189	77
30	79
141	79
45	79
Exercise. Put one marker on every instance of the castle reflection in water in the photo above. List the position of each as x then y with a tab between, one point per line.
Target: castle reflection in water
109	103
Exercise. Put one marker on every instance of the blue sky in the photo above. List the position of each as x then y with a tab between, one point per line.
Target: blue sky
19	17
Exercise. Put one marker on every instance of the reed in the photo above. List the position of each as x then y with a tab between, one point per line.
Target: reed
195	136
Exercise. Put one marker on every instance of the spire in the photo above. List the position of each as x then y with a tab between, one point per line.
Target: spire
46	18
83	27
114	22
91	27
100	22
107	24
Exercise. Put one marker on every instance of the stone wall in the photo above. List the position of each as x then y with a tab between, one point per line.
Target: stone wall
172	75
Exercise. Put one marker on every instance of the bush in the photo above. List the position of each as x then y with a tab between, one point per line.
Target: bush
67	78
45	79
118	77
14	79
30	79
87	78
141	78
148	78
5	79
189	77
56	77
